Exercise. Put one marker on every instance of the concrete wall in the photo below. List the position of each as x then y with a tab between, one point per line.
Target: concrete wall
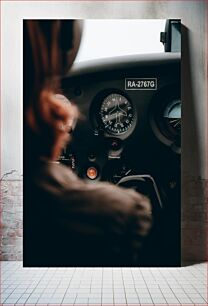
194	81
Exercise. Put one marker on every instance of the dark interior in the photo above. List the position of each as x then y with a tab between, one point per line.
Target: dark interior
131	136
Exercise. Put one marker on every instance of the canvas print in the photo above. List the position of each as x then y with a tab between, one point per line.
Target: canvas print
102	143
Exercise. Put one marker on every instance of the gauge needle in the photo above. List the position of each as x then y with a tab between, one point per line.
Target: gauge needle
121	110
174	120
113	109
113	116
117	106
177	123
119	117
116	112
116	117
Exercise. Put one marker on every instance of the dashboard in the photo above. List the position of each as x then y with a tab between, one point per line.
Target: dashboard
129	133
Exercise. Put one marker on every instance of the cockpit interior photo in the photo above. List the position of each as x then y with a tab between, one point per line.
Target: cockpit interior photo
102	143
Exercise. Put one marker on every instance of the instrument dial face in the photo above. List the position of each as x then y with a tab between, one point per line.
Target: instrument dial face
172	116
116	114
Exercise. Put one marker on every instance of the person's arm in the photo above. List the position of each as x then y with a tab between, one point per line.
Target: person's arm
102	216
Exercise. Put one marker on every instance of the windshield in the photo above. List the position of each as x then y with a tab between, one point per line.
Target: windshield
108	38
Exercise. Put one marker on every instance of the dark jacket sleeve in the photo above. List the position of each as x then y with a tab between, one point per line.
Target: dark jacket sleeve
96	224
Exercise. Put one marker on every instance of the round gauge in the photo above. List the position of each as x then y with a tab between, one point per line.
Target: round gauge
165	116
116	113
172	116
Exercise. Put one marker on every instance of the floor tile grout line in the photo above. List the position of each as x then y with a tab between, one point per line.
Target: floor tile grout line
69	284
124	284
147	286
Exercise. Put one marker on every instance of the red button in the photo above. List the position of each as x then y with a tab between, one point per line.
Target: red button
92	173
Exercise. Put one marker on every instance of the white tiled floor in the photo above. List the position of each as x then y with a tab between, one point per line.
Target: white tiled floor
103	286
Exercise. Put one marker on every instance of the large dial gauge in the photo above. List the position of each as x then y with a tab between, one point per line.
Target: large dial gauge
116	113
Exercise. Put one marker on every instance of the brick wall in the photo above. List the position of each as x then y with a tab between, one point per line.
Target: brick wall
194	220
194	225
11	226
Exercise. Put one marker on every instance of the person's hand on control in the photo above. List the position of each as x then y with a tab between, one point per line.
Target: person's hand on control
54	123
